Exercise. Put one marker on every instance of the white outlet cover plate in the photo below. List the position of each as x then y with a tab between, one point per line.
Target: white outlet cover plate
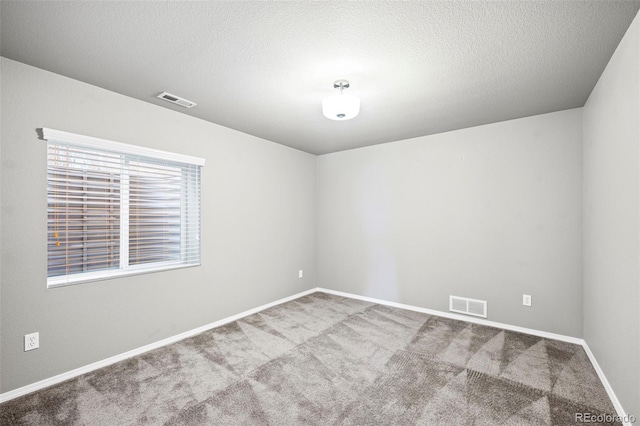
300	273
31	341
526	300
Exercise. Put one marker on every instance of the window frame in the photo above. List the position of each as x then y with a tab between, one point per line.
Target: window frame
126	150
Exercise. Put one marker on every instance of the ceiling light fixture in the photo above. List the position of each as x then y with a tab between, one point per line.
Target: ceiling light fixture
341	106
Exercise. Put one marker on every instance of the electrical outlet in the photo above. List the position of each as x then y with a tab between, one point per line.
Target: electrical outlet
300	273
31	341
526	300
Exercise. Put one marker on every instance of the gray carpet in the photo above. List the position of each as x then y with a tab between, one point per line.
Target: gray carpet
325	360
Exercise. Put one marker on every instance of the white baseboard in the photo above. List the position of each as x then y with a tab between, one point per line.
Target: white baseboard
120	357
117	358
605	383
504	326
545	334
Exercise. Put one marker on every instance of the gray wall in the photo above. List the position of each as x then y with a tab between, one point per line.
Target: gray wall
258	229
612	220
489	212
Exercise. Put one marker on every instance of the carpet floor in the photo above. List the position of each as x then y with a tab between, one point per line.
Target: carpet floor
326	360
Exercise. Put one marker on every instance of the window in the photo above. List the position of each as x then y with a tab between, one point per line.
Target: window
115	209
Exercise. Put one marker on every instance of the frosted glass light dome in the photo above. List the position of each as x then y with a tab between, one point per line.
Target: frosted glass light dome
341	106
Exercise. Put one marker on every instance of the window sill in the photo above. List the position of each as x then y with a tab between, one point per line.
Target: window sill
81	278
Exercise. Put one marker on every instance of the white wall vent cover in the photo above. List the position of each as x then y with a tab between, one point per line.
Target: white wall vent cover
176	100
464	305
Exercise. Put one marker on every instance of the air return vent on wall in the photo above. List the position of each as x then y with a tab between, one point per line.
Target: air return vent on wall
464	305
176	100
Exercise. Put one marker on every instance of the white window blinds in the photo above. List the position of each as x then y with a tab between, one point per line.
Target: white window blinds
116	209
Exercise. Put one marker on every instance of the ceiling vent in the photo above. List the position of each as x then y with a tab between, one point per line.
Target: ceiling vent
176	100
464	305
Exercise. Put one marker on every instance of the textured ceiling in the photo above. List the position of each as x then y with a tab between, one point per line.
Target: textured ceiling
263	67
